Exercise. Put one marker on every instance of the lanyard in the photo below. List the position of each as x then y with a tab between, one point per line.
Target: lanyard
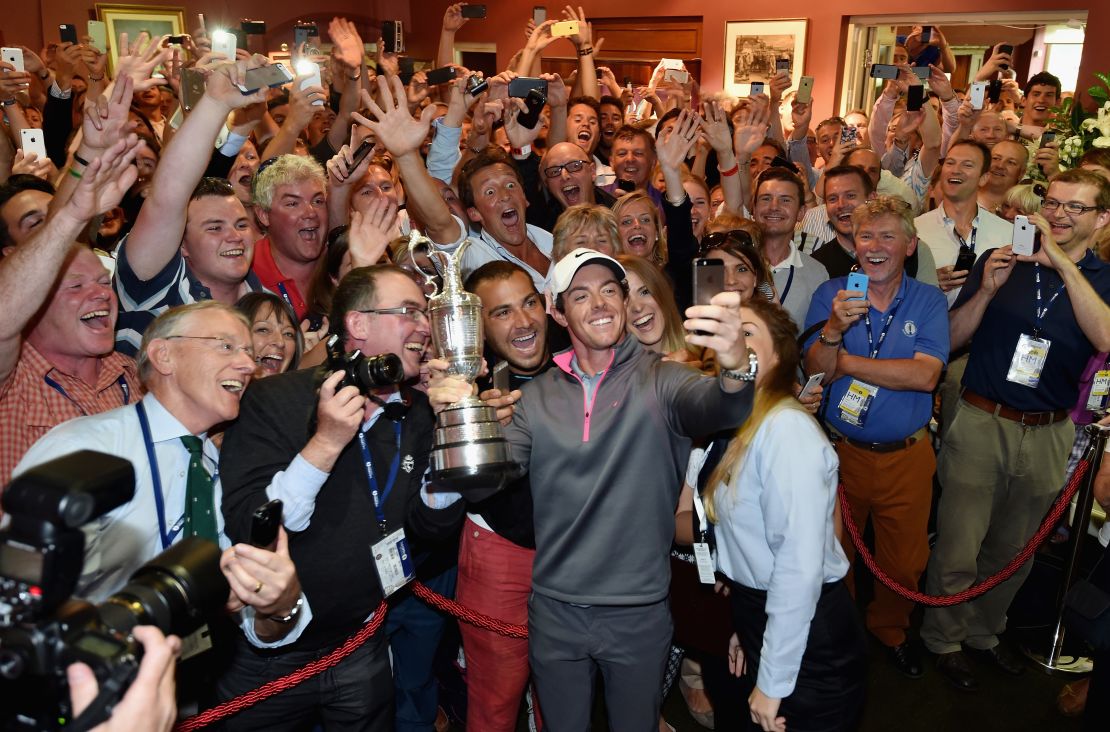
166	537
789	282
1042	311
123	387
963	242
285	294
381	496
703	522
872	347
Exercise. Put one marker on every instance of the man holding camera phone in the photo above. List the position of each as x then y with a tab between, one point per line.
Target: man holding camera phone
348	461
1032	323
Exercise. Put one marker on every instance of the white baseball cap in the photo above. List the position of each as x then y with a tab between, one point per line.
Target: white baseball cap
568	266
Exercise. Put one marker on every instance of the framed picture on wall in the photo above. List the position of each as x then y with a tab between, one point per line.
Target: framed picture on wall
752	47
133	20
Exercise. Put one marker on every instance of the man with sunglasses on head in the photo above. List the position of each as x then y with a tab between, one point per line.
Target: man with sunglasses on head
1033	323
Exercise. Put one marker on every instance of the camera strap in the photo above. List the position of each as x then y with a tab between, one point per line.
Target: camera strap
380	496
166	536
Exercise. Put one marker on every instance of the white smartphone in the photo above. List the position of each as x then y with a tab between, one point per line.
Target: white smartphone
224	42
1025	241
676	75
811	385
977	95
805	90
311	71
13	56
672	63
33	142
98	32
757	87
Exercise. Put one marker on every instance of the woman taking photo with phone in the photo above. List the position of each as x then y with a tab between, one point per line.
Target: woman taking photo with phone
772	498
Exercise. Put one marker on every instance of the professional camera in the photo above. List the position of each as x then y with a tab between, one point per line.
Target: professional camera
475	85
43	629
364	373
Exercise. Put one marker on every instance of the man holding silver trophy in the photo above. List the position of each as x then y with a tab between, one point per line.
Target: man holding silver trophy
605	438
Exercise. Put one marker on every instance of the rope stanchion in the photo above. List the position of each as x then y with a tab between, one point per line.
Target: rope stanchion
277	686
1047	527
467	615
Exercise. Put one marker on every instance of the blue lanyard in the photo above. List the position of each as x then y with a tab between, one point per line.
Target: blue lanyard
964	243
1041	312
872	347
786	290
166	537
61	390
381	496
285	295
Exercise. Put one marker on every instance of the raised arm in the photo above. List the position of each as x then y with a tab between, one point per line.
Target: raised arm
160	226
347	70
584	45
964	320
452	21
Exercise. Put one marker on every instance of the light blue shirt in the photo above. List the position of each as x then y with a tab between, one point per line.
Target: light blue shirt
484	248
121	541
775	533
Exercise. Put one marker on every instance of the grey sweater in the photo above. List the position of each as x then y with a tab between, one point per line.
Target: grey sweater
606	471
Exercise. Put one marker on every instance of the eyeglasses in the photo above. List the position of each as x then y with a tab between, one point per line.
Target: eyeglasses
408	311
1072	207
572	167
223	345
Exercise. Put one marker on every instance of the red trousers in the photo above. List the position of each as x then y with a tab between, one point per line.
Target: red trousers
495	578
894	490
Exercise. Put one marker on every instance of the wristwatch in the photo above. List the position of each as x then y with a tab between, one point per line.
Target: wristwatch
738	375
291	616
826	342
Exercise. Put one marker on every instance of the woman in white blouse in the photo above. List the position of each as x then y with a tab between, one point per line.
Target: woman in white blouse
772	498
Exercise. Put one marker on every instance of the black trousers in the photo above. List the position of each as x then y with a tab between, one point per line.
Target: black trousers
355	694
829	694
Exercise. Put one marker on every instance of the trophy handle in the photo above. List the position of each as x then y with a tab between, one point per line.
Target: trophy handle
417	239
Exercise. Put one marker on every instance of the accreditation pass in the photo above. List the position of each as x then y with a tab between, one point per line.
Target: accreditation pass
393	561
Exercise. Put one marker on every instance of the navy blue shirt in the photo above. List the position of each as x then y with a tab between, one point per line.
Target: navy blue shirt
920	325
1011	312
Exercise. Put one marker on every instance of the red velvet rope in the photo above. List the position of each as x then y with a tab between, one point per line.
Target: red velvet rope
467	615
1047	527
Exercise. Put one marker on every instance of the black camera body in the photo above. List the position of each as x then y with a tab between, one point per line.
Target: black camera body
475	84
43	629
364	372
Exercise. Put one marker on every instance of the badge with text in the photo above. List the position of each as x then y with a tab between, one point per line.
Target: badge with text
704	558
394	562
1028	361
196	642
1100	388
856	401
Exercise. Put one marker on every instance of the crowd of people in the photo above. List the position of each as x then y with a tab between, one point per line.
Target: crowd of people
175	267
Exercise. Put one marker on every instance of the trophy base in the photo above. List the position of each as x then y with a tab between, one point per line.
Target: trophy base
470	455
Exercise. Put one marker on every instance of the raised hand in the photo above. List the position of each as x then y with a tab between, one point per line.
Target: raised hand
392	124
940	84
801	114
557	93
139	59
584	37
371	231
751	130
348	43
301	107
105	180
715	126
453	18
12	82
673	149
417	90
222	85
519	136
26	163
106	119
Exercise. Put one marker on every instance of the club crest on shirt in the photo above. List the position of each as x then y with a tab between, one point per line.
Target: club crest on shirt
909	328
407	464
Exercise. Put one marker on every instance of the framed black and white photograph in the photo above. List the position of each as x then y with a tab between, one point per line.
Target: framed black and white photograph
753	47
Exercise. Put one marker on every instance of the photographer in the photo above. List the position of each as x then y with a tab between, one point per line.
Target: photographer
348	462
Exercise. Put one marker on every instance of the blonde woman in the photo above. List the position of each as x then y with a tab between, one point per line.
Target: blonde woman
641	227
772	497
652	314
586	225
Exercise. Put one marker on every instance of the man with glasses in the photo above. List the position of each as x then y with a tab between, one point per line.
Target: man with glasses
959	223
349	467
565	176
1033	323
194	363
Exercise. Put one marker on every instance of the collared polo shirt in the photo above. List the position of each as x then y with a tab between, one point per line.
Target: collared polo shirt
272	278
938	232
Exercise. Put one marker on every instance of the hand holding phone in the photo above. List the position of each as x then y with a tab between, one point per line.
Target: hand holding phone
965	260
473	11
33	142
265	522
811	385
501	378
565	29
13	56
857	282
977	95
67	32
1027	238
709	279
757	88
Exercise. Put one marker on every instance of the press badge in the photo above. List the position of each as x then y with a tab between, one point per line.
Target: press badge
704	559
856	401
1028	361
196	642
1100	388
394	562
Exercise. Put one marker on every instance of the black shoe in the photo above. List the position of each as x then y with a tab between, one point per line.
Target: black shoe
1008	661
907	659
956	667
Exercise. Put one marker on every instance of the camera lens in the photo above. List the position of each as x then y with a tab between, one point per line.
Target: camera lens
382	370
175	591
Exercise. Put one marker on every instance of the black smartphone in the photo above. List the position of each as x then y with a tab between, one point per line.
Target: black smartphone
444	74
926	33
782	64
915	98
501	378
175	40
965	261
68	33
364	148
521	85
1005	48
534	102
994	90
884	71
265	76
473	11
302	32
393	36
1047	138
315	321
192	87
709	279
265	522
253	27
406	67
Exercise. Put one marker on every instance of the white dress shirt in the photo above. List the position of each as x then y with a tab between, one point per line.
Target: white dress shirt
938	232
124	539
775	533
484	248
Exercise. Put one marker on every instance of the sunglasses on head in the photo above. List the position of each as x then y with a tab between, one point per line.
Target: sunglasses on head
720	239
